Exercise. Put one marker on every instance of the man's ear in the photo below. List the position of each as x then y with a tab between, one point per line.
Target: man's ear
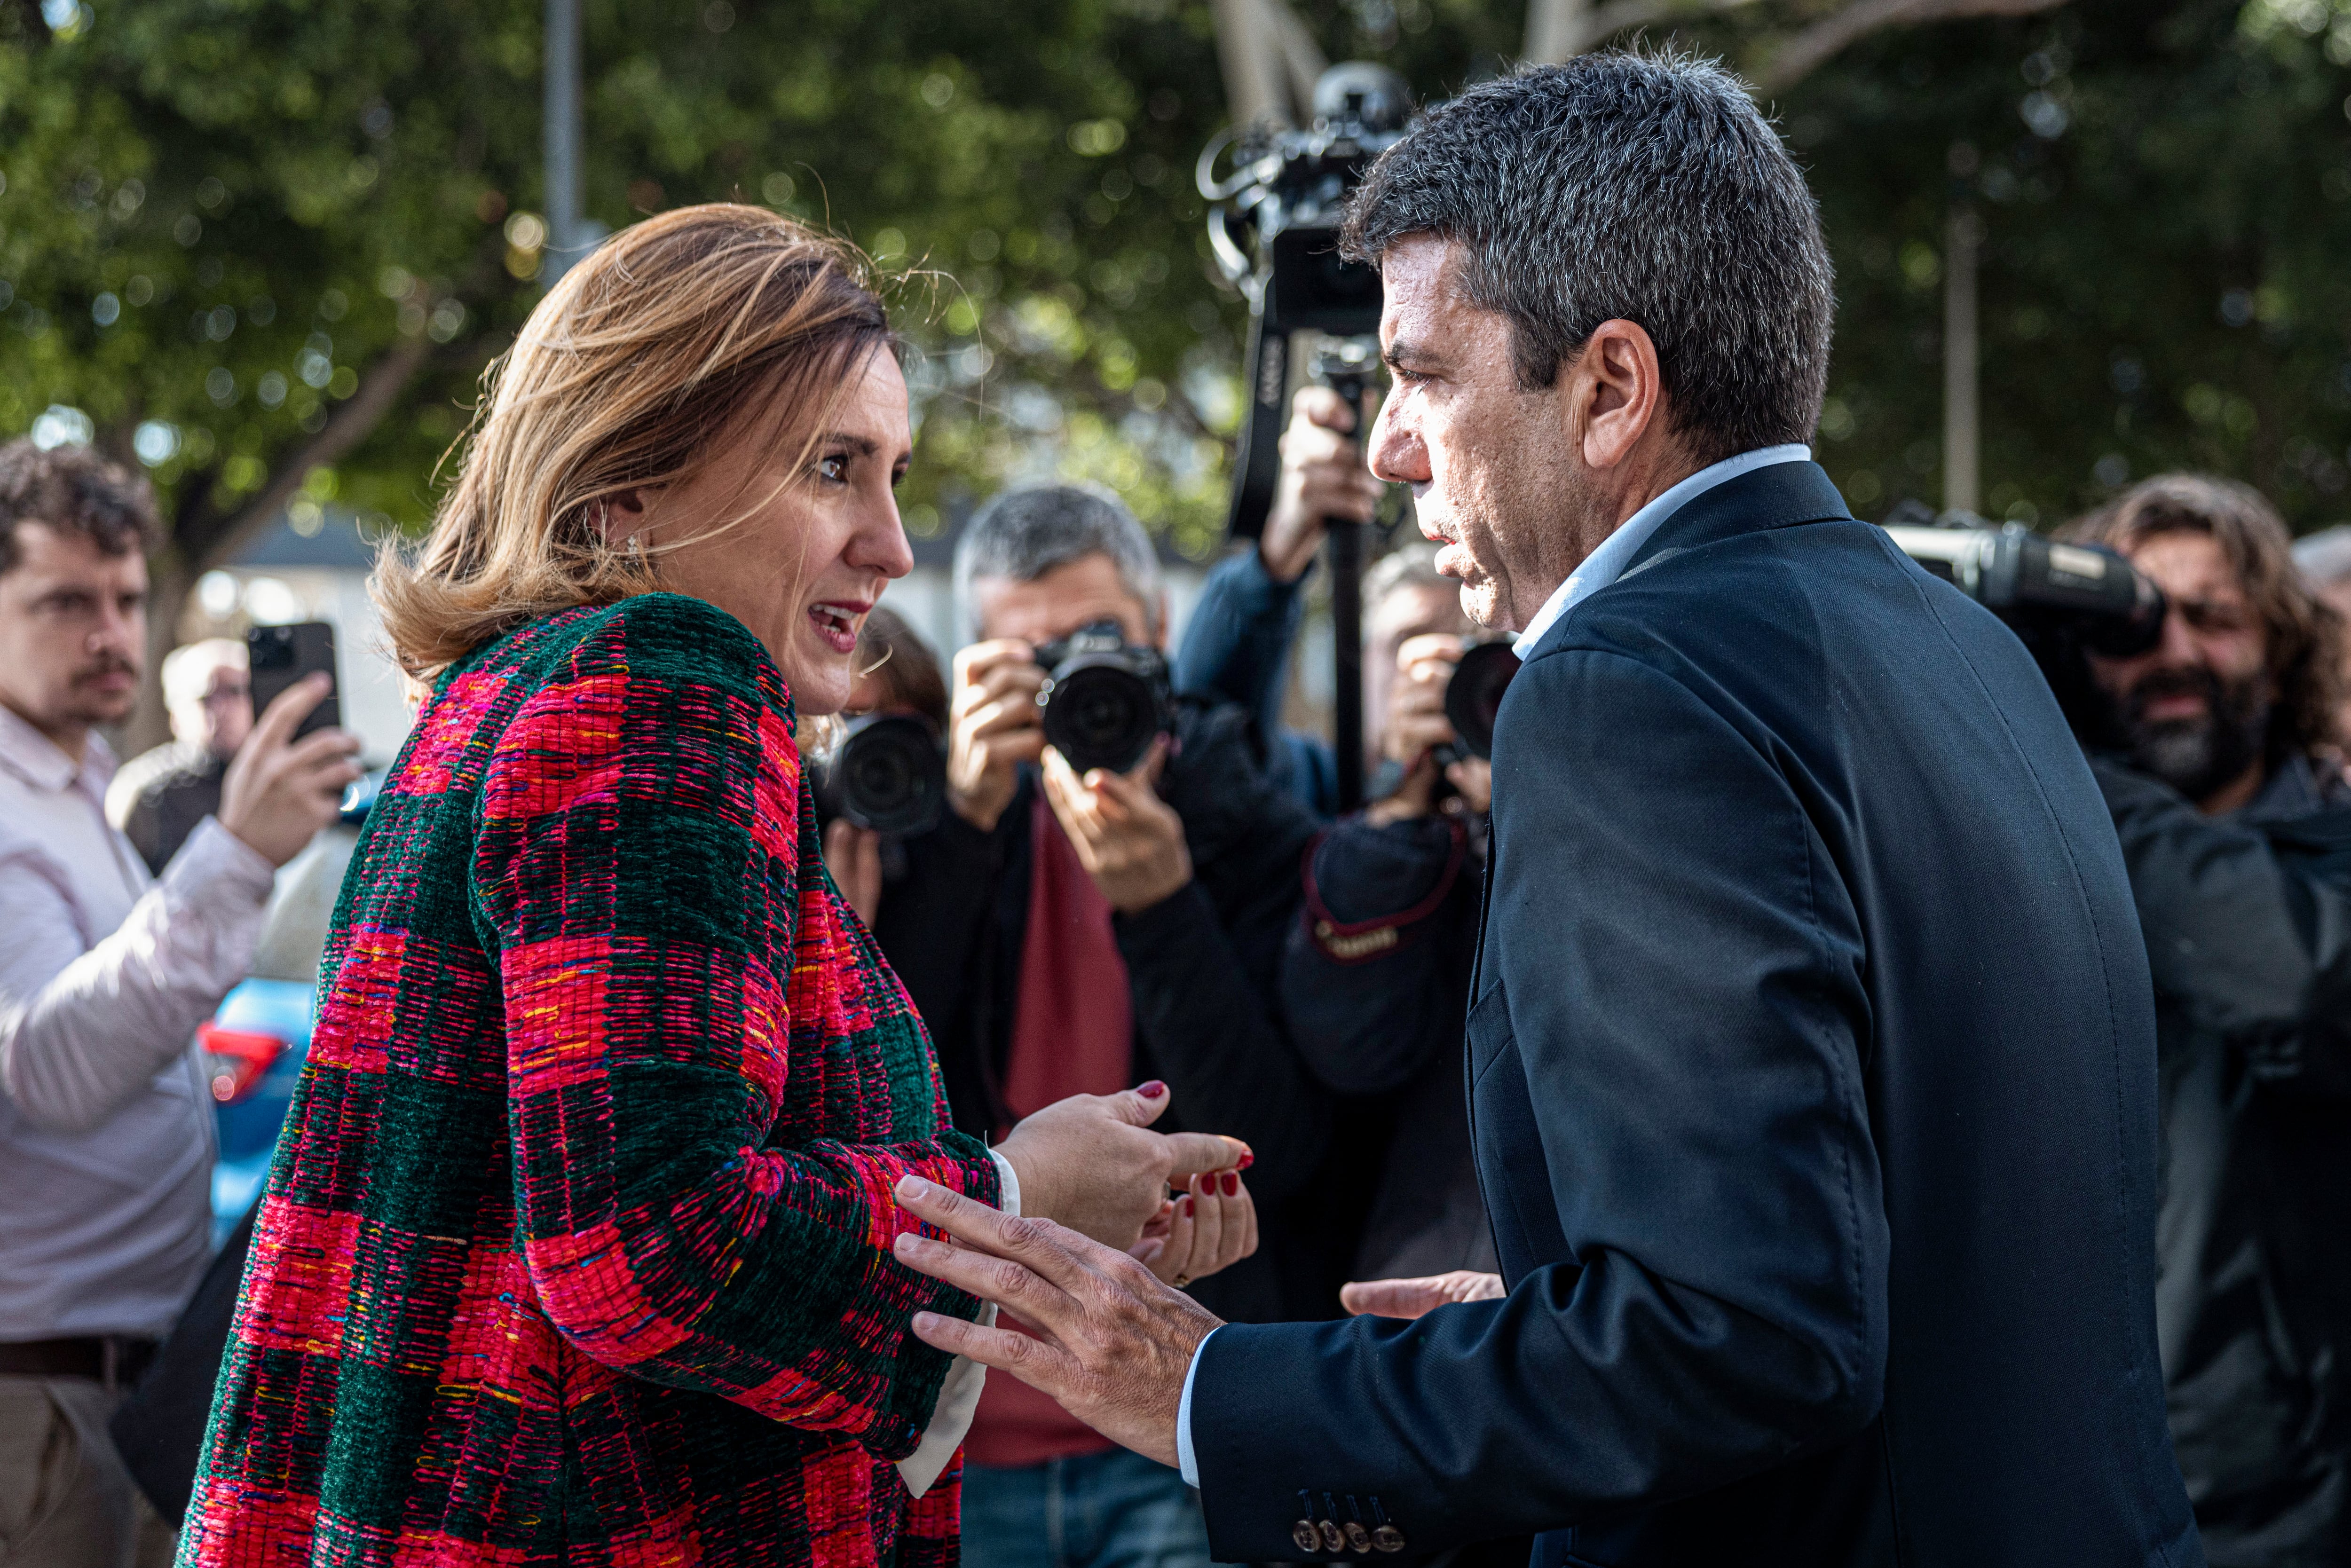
1615	392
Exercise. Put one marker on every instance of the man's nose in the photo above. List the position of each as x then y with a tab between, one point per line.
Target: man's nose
2180	645
117	629
1396	451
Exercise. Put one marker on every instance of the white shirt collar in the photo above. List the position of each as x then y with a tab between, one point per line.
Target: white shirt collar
1606	564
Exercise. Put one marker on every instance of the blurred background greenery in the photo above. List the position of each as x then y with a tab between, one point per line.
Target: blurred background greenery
267	248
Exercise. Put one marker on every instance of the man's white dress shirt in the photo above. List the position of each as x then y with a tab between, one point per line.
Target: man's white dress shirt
105	1124
1601	568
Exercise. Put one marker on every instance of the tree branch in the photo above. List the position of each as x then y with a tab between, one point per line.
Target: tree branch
205	542
30	17
1815	46
1577	34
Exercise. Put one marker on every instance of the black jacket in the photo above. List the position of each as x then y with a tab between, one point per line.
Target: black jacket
1813	1085
1375	985
1202	967
2248	924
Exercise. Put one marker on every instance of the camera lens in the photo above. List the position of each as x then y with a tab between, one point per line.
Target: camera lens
1473	697
1101	716
887	775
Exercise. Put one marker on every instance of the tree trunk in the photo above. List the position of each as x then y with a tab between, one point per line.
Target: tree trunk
202	539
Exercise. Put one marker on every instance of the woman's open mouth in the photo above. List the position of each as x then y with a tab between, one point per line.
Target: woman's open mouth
837	624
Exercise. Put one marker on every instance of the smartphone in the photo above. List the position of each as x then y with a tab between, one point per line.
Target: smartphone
277	656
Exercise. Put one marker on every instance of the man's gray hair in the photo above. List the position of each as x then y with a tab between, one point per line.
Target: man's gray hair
1023	533
1640	186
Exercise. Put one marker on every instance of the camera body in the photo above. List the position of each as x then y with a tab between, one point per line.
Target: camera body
1105	699
888	773
1473	698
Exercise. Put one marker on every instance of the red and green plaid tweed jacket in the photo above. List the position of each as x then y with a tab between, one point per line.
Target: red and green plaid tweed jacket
576	1245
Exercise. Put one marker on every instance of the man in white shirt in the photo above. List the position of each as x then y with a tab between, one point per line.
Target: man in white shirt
105	1130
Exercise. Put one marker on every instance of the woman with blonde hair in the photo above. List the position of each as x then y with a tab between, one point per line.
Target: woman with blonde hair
578	1244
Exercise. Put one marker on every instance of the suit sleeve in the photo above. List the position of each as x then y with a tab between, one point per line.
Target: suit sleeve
2254	945
637	870
1666	1051
1236	640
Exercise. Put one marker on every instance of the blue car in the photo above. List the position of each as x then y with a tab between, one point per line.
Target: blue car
260	1036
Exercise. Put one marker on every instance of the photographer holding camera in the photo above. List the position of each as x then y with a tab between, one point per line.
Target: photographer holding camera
1237	643
1104	900
2228	794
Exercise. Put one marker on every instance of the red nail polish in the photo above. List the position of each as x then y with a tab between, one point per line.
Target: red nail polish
1248	1160
1187	1209
1232	1185
1153	1090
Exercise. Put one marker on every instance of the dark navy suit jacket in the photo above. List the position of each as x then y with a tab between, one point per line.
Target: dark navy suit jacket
1811	1059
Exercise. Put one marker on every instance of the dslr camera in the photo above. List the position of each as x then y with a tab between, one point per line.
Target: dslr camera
1105	699
1473	700
888	773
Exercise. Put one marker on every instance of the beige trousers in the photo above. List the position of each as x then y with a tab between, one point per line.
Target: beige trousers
65	1500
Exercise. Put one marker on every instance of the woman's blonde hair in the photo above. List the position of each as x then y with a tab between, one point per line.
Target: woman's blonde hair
704	325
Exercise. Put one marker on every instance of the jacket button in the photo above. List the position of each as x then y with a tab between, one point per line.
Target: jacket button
1332	1540
1358	1538
1388	1538
1306	1536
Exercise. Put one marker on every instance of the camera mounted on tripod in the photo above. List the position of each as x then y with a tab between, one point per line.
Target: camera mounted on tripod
1273	225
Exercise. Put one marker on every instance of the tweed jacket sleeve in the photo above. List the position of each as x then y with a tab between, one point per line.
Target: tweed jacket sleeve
702	1172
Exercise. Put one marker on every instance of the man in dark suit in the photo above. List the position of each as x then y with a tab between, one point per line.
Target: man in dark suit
1811	1044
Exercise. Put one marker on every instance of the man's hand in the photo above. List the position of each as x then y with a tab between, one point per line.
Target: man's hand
1412	1297
1115	1344
1417	726
279	792
1323	476
1090	1163
1129	839
993	726
853	855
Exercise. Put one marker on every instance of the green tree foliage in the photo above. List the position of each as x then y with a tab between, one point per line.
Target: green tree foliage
2165	192
269	245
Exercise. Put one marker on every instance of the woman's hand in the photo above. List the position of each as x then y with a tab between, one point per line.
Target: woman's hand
1213	1226
1089	1162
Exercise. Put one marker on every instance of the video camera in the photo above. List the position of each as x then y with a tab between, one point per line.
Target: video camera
888	773
1105	699
2085	594
2063	601
1273	226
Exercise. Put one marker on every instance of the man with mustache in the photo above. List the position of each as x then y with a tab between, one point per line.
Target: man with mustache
105	1124
1811	1047
2217	761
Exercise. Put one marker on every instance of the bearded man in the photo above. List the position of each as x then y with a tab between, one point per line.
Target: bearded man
2218	764
1811	1045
